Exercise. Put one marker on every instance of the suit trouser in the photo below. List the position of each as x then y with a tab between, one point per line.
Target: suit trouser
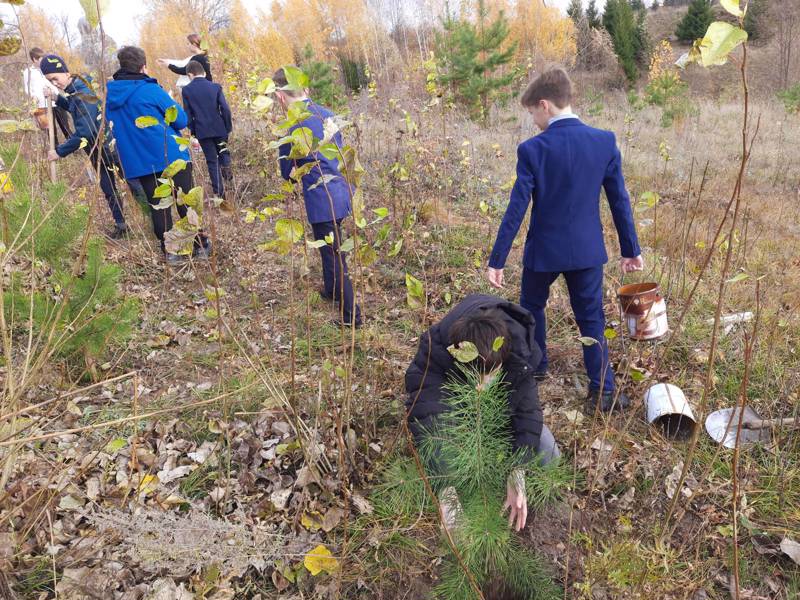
586	297
334	270
108	163
218	159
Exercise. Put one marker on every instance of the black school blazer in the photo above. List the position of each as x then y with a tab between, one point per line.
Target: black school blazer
433	364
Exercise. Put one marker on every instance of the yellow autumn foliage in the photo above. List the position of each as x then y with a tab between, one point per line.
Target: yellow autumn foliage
543	34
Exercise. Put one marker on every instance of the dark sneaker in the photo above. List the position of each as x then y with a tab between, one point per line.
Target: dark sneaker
611	401
202	252
325	295
337	322
120	232
174	259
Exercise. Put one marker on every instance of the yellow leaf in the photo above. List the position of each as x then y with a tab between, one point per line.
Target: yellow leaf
311	521
732	6
6	187
148	485
320	559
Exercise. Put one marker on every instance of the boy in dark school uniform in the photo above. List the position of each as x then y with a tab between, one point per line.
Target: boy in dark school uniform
481	319
326	205
83	105
562	171
210	121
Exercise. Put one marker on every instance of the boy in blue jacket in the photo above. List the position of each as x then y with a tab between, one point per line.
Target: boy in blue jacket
146	151
561	171
82	103
327	198
210	122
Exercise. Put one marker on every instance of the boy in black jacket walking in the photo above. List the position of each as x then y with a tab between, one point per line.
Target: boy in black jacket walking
210	121
481	319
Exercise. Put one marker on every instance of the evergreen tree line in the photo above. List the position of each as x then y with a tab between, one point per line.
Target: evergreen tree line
624	20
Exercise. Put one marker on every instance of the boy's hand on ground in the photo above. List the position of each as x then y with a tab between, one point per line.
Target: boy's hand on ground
495	277
516	500
52	155
629	265
162	61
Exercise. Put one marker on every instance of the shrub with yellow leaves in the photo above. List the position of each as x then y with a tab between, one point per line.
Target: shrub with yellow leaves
665	88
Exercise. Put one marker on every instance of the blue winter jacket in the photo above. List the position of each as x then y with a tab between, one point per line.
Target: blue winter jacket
208	111
561	171
334	193
83	105
143	151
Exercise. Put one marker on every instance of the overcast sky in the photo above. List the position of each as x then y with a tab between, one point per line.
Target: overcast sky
122	20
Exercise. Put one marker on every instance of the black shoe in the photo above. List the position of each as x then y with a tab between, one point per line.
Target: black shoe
202	252
175	260
120	232
611	401
337	322
540	375
326	296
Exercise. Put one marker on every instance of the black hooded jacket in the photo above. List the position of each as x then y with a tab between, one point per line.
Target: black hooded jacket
432	364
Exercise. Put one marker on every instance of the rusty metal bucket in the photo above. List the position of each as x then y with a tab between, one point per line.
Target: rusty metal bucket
643	310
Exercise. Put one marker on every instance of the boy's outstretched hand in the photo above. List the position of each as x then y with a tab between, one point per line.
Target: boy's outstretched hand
516	499
629	265
495	277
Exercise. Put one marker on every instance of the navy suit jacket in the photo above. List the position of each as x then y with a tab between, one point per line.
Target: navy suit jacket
325	190
562	170
208	111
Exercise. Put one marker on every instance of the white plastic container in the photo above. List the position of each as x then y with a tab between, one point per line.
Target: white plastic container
667	406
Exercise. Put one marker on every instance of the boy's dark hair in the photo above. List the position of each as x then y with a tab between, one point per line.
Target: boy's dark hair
280	80
131	59
194	39
553	85
195	68
36	53
482	328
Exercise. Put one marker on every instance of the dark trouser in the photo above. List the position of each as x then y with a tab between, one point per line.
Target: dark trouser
162	218
586	297
137	190
218	159
334	270
108	163
62	119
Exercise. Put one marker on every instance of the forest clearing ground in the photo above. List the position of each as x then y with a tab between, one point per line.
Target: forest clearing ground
611	528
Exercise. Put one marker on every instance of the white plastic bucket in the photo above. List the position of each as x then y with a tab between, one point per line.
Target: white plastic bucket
667	406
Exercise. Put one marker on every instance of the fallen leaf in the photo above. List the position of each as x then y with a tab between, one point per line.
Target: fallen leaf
168	476
791	549
280	498
320	559
332	519
362	504
573	416
311	521
92	488
70	502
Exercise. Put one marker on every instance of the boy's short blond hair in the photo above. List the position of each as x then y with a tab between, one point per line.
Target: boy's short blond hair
553	85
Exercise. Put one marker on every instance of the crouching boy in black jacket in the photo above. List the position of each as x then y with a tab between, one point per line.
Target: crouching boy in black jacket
481	319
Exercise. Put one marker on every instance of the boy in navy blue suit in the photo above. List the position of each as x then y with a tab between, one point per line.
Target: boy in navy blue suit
210	122
561	171
327	198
